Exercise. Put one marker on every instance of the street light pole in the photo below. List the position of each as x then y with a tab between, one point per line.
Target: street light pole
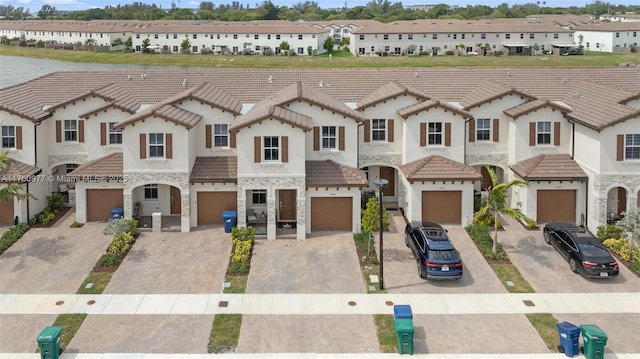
381	183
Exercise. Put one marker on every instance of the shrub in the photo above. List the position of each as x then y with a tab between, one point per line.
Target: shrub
608	231
479	233
12	235
371	216
121	225
75	224
242	238
449	52
623	248
498	53
120	244
55	201
108	260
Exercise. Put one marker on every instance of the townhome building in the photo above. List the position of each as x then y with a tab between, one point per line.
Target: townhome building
618	37
295	151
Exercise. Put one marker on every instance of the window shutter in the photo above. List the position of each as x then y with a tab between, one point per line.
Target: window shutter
103	133
447	134
80	130
207	136
58	131
232	140
367	130
285	149
143	146
18	137
423	134
257	148
472	130
496	130
620	148
341	138
390	132
532	133
169	145
316	138
556	133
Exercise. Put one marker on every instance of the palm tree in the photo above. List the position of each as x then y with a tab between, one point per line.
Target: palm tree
13	190
497	203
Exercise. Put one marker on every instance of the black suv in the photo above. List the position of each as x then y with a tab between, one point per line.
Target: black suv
583	250
435	255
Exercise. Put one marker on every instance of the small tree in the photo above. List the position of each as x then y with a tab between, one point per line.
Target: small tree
185	46
284	46
309	50
12	190
461	48
631	224
328	44
371	216
145	45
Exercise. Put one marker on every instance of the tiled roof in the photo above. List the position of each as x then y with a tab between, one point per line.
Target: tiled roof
266	110
301	91
107	105
389	90
532	106
165	111
610	26
215	169
77	98
425	105
549	167
108	166
18	172
438	168
331	174
453	26
489	91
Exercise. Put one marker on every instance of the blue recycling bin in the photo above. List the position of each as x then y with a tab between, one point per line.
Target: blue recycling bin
402	311
569	337
229	218
117	212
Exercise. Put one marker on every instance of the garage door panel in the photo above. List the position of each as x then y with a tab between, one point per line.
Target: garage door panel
101	201
6	213
442	206
212	204
556	206
331	213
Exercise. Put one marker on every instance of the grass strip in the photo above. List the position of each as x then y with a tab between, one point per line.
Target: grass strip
238	284
510	273
100	281
386	333
70	324
545	325
225	333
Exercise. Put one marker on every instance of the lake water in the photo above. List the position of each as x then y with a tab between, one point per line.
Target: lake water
16	69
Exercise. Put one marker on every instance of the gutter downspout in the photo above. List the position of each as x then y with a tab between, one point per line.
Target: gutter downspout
35	152
358	146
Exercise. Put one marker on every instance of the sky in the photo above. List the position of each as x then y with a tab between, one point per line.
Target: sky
36	5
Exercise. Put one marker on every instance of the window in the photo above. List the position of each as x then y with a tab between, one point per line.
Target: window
410	37
507	36
277	37
556	36
175	48
69	167
400	37
462	36
532	36
483	36
235	36
361	37
455	36
544	133
378	130
300	51
8	137
70	130
156	145
155	36
434	133
259	196
483	129
221	135
115	134
151	191
385	37
632	147
195	36
329	138
617	34
175	36
271	148
299	37
435	36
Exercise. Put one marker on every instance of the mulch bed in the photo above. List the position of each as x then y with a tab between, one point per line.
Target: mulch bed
61	212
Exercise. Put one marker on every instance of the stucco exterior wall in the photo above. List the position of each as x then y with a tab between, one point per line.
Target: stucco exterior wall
413	151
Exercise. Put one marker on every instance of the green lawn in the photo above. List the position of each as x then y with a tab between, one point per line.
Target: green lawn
545	325
225	333
70	324
386	333
510	273
100	281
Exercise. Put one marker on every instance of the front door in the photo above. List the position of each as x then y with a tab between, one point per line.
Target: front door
388	173
622	200
176	207
287	204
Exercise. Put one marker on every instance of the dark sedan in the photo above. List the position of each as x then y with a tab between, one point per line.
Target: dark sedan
583	250
435	255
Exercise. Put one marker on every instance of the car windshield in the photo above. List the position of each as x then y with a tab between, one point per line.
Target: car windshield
589	250
445	255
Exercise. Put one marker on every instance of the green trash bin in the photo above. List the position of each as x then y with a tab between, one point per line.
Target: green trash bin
594	340
404	335
49	342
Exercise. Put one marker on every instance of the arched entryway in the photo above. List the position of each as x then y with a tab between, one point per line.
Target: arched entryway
616	203
159	198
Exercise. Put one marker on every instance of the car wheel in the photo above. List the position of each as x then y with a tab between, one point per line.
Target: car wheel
406	240
421	272
573	265
546	238
560	348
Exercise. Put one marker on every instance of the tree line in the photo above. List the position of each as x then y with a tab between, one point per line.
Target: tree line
380	10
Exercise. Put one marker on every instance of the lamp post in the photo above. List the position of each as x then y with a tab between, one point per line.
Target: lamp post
381	183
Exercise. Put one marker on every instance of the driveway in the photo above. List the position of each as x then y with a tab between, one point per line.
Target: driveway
401	272
52	260
547	271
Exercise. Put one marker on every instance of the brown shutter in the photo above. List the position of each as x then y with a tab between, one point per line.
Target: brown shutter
316	138
143	146
169	145
207	136
80	131
472	130
341	136
423	134
556	133
367	130
257	148
390	135
285	149
532	133
620	148
18	137
447	134
103	133
496	130
233	139
58	131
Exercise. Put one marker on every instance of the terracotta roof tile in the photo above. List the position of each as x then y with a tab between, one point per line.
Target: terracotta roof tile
215	169
17	172
389	90
438	168
532	106
171	113
421	106
265	110
489	91
107	166
331	174
549	167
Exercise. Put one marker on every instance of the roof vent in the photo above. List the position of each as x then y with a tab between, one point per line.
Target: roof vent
143	76
321	84
184	83
508	73
577	95
270	79
129	77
